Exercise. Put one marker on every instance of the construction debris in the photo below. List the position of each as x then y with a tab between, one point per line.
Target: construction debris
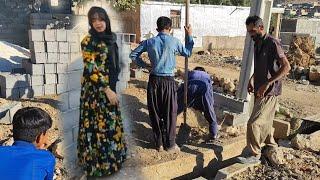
307	141
302	52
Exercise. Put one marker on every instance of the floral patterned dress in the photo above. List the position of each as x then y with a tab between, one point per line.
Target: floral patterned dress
101	146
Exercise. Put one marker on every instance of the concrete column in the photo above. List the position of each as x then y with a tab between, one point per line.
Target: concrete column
261	8
278	24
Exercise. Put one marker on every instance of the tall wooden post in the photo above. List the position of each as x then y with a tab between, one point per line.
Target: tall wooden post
186	67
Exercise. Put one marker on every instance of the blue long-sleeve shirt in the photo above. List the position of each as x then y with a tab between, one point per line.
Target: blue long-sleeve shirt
162	50
23	161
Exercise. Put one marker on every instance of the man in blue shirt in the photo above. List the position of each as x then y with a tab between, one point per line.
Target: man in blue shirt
200	97
26	158
162	90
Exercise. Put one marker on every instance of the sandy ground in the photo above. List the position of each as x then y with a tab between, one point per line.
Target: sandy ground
49	104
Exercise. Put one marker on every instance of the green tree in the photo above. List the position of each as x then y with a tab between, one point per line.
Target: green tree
120	5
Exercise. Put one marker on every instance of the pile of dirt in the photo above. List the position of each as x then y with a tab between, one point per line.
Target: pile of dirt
302	52
233	62
290	164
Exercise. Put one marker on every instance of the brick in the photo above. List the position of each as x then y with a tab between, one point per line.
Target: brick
63	47
50	35
74	47
71	36
50	89
38	90
64	58
52	47
282	129
62	88
34	69
38	57
37	46
37	80
233	170
74	80
50	78
76	62
36	35
61	35
62	68
52	58
50	68
74	99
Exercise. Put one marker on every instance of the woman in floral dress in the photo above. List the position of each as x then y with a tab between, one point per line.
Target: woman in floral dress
101	146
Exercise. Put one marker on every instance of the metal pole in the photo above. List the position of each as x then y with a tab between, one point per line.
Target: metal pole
186	68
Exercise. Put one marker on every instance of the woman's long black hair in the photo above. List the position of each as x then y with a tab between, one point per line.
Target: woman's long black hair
102	14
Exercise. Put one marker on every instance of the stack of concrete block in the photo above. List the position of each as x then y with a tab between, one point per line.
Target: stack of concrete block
15	86
52	54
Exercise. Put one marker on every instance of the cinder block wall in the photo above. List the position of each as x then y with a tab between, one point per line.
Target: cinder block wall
14	21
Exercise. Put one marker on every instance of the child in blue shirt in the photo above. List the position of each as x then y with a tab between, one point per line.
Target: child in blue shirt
26	158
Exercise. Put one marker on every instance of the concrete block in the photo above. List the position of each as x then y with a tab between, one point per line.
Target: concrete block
50	89
124	76
70	119
36	35
233	170
74	80
37	80
74	47
61	35
234	119
38	90
50	78
74	99
63	104
62	88
64	58
62	78
26	92
38	57
67	139
10	93
72	36
9	81
63	47
76	62
75	132
37	46
230	102
282	129
50	68
8	110
52	47
52	58
121	86
50	35
62	68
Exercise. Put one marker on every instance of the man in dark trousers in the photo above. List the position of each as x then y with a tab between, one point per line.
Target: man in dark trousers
162	90
200	97
270	67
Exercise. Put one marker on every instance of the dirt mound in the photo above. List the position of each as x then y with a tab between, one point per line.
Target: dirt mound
302	51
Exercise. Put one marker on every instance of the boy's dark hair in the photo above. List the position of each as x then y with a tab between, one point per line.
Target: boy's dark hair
256	20
163	23
30	122
102	14
198	68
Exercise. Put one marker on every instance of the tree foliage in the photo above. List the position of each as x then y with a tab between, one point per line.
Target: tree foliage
120	5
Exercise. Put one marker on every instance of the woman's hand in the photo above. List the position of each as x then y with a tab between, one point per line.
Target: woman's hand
112	96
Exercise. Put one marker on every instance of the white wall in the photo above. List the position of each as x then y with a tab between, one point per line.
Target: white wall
206	20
